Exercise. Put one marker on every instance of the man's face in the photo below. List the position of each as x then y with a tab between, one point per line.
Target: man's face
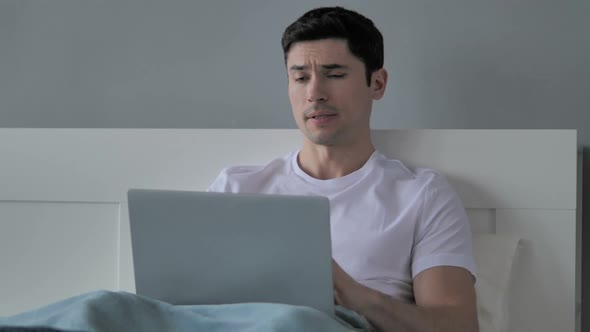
328	90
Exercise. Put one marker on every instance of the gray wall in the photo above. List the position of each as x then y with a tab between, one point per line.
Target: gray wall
191	64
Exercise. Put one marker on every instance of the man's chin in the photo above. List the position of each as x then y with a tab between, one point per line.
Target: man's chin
323	139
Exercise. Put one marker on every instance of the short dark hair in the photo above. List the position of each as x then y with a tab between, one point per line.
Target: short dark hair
363	38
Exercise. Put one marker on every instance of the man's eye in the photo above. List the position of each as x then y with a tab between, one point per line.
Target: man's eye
337	76
300	79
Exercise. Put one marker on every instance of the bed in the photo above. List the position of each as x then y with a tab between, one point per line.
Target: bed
64	223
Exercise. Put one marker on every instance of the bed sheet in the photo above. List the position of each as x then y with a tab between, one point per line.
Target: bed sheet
121	311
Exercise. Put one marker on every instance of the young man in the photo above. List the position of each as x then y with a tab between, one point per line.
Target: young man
400	238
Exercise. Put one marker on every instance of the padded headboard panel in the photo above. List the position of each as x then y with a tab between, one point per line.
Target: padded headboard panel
64	225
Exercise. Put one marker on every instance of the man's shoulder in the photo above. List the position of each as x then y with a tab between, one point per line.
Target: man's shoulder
398	170
240	170
241	178
274	165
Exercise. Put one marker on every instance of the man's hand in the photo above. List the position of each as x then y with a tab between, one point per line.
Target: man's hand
445	301
347	292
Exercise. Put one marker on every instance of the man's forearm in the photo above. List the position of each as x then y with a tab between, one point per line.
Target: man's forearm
388	314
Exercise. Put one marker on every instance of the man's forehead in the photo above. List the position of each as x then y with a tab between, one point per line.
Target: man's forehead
324	52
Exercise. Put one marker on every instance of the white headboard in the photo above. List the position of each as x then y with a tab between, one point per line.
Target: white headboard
64	225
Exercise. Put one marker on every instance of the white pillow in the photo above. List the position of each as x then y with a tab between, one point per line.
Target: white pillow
494	256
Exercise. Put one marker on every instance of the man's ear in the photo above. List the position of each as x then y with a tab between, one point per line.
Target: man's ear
378	83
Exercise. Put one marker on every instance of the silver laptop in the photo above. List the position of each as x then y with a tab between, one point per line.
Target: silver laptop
214	248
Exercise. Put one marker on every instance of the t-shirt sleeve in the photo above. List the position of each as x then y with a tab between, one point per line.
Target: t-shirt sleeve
443	235
221	183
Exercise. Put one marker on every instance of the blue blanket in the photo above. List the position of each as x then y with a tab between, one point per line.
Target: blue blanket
120	311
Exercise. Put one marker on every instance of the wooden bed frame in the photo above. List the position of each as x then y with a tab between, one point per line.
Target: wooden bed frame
64	224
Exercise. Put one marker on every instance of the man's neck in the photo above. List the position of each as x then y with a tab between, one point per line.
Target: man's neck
330	162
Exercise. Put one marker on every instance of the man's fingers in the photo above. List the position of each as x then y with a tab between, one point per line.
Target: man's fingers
337	297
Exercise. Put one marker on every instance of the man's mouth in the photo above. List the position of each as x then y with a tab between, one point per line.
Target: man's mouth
323	116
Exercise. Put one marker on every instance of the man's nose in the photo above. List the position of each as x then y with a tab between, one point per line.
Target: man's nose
316	91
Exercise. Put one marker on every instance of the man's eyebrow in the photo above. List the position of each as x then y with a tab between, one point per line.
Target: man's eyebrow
298	68
328	67
334	66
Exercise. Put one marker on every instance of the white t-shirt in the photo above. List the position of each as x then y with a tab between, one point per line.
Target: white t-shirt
388	223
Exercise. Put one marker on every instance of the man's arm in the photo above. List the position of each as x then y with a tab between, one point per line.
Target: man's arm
445	301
